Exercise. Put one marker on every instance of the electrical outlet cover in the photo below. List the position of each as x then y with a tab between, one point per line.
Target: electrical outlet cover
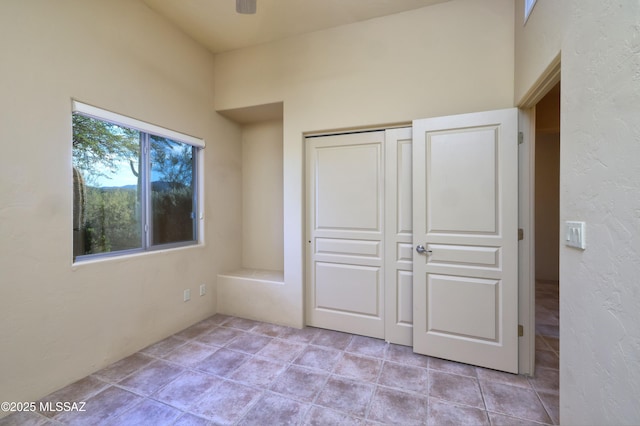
575	234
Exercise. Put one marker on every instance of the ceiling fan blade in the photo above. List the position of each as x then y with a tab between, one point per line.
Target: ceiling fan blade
246	6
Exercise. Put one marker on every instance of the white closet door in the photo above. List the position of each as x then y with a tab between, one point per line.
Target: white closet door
345	201
398	237
465	216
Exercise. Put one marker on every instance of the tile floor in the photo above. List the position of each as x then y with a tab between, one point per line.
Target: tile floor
228	370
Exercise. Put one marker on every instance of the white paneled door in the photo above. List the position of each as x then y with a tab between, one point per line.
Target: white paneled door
398	240
345	201
412	236
465	238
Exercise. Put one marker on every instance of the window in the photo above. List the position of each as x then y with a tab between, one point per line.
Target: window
134	185
528	7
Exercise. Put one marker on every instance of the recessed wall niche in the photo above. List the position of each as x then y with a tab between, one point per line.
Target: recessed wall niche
262	213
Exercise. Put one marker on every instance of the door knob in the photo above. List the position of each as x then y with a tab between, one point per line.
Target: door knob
420	249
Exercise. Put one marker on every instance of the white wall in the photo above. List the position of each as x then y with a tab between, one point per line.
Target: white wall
262	221
599	184
58	321
449	58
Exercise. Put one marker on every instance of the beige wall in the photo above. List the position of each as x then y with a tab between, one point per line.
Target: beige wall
262	222
537	42
599	184
60	322
547	211
450	58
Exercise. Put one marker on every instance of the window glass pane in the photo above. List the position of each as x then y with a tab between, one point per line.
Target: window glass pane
106	187
172	191
528	7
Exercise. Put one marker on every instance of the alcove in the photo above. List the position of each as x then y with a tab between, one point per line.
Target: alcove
262	214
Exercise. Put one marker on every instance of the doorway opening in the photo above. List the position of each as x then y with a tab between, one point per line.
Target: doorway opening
547	231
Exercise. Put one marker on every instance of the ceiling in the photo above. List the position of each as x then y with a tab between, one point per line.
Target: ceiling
216	25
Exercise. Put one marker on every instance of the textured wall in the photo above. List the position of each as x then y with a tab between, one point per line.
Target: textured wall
450	58
600	184
262	222
537	42
58	321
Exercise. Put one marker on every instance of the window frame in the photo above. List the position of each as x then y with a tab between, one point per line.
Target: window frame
146	215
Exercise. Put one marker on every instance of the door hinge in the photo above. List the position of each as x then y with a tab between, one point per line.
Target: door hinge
520	137
520	330
520	234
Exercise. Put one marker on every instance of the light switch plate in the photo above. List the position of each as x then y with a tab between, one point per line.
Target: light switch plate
575	234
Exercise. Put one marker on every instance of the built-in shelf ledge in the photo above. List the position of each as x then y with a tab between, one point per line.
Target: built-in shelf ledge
259	275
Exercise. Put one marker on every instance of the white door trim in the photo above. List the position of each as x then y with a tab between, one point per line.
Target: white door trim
526	205
526	247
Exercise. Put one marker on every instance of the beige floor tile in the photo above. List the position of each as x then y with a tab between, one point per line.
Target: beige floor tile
321	416
394	406
249	343
226	403
405	377
281	350
318	358
188	419
228	370
300	383
163	347
358	367
303	335
367	346
546	380
454	388
274	409
148	412
241	323
445	413
266	329
106	405
514	401
25	418
258	372
151	378
405	355
186	389
452	367
222	363
552	404
78	391
332	339
346	395
484	374
502	420
218	336
121	369
190	353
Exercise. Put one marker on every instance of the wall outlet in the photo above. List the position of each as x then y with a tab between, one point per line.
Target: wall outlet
203	289
187	295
